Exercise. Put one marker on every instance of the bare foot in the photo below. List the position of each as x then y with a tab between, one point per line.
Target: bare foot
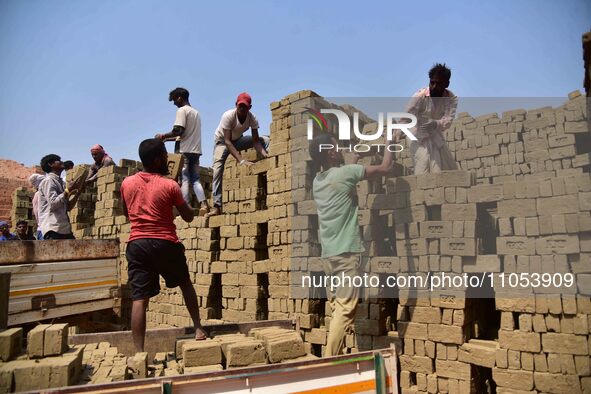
214	211
200	334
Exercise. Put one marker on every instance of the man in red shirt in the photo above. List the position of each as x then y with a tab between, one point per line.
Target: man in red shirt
154	248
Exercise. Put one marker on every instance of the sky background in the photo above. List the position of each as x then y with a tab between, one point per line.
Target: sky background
76	73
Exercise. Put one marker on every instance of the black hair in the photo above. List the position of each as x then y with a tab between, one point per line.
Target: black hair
68	164
22	222
150	150
178	92
441	70
319	156
48	160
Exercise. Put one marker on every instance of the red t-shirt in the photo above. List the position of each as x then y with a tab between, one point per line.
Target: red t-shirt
149	199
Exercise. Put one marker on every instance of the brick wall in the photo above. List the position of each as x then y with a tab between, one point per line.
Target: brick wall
519	204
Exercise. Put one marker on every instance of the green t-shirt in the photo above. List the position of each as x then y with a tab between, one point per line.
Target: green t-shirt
337	214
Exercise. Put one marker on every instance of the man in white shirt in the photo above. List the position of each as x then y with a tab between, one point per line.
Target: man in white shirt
187	126
230	139
54	202
435	109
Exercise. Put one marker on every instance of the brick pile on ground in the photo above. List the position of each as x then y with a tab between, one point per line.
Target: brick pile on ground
22	208
12	176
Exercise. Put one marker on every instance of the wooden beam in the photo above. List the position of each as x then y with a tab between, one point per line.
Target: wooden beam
57	250
4	292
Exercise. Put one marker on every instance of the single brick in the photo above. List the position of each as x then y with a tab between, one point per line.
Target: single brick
56	339
35	341
199	353
11	341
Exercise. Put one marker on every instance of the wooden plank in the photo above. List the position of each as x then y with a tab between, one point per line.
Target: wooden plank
25	303
164	339
51	266
32	280
61	311
57	250
4	291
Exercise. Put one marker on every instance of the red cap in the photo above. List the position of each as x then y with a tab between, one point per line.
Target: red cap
244	98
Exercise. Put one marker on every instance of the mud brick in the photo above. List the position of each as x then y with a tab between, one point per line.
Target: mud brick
457	178
458	211
453	369
515	303
416	364
413	330
56	340
576	127
521	341
412	247
35	341
555	141
138	365
425	314
446	334
316	336
536	144
11	341
435	229
485	193
558	205
30	375
582	160
585	201
516	246
481	263
517	208
531	226
412	214
458	246
489	150
504	225
434	196
564	343
199	353
245	352
557	244
556	383
284	347
385	264
514	379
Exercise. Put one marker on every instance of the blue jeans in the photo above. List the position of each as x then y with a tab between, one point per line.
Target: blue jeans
220	154
190	177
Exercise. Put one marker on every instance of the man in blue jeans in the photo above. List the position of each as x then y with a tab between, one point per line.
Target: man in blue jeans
187	126
230	139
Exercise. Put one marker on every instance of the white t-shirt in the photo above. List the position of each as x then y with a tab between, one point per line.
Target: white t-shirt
230	122
188	117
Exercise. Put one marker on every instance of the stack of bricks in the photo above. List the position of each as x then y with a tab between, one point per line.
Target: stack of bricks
12	176
22	208
262	346
540	143
519	204
82	214
48	363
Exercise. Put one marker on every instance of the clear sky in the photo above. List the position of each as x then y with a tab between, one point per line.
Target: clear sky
76	73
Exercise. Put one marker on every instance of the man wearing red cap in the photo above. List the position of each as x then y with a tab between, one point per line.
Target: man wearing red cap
101	159
230	139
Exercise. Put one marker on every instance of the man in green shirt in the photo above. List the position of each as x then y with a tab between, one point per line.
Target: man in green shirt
333	188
